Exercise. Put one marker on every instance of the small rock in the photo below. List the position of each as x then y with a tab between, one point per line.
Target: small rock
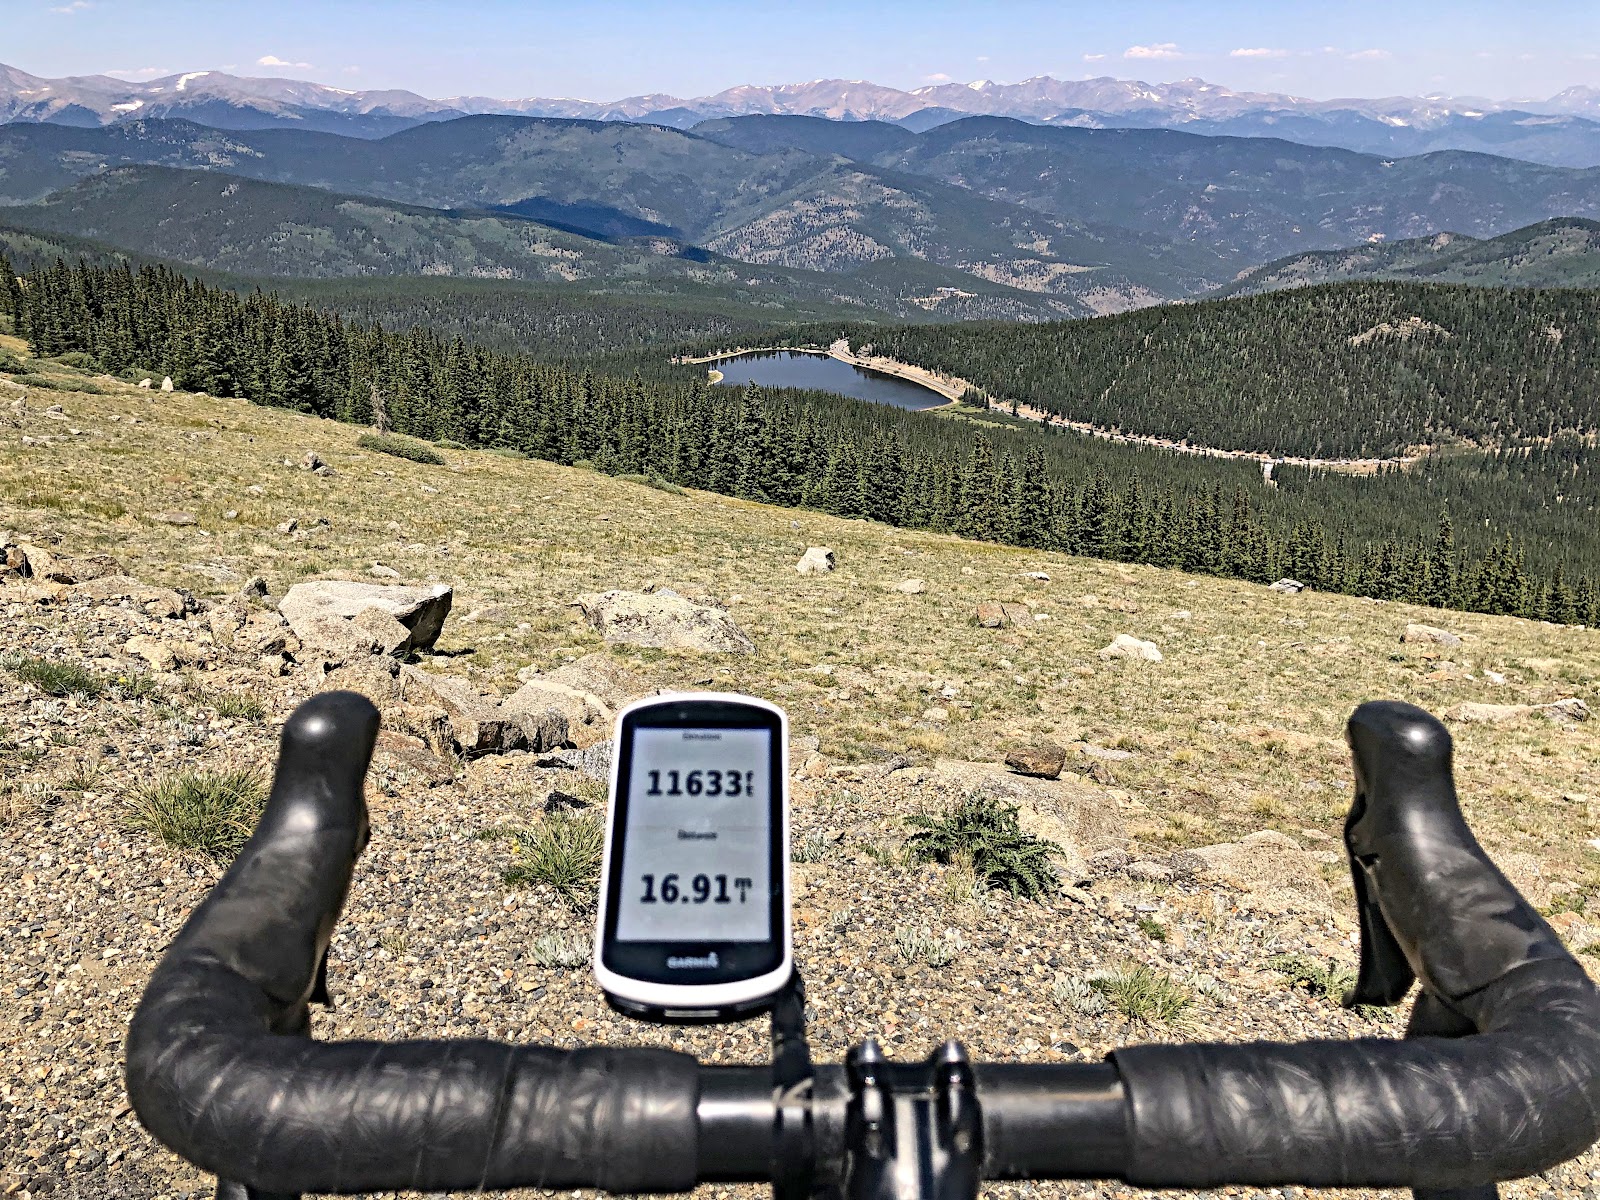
559	801
312	461
144	383
254	588
1125	645
166	383
911	587
379	571
175	518
1149	872
1109	861
817	560
231	515
1429	633
1037	576
1043	760
289	526
1288	587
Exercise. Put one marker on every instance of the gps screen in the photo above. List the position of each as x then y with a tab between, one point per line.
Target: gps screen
697	851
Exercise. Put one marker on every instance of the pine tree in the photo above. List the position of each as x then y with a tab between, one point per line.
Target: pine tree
1442	582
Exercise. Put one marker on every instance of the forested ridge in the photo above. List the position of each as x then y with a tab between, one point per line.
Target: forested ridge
845	457
1343	370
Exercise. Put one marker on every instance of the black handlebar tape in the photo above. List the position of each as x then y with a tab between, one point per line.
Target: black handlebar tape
220	1070
1516	1095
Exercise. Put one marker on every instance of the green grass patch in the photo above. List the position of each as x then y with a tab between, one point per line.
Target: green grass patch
986	833
562	852
55	678
1141	993
209	812
400	447
1324	978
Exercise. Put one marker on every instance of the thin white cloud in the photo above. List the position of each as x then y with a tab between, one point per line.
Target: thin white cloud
983	58
1159	50
1369	54
937	77
352	70
1093	57
272	60
68	10
1257	52
140	72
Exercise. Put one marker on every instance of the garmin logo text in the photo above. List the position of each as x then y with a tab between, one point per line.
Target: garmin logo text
691	962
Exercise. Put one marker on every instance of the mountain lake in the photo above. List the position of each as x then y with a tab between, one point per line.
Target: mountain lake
819	372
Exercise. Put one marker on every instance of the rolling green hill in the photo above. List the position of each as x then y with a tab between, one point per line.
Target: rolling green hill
1338	370
1562	252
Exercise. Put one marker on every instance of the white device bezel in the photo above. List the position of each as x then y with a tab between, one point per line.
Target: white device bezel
690	999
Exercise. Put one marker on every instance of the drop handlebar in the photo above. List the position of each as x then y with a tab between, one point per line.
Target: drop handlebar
1498	1075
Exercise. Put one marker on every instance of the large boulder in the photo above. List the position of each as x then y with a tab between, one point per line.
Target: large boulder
996	614
664	620
1125	645
817	560
321	614
1043	760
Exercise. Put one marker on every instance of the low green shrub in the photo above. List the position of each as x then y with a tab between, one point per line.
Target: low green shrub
1324	978
400	447
449	444
985	832
210	812
507	452
79	359
10	364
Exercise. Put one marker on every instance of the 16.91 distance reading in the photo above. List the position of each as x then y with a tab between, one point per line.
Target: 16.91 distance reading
701	889
701	783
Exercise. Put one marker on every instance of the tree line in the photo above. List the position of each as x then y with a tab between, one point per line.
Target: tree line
840	456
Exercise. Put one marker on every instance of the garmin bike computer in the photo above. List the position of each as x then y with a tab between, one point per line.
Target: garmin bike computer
694	898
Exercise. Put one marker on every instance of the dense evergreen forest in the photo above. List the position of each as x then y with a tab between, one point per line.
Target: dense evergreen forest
1343	370
845	457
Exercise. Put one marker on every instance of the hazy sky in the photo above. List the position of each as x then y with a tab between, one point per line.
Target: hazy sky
606	49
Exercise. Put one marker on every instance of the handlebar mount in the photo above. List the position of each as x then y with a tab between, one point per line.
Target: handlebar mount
1498	1075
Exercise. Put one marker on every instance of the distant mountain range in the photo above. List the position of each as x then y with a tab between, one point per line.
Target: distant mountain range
985	216
1562	130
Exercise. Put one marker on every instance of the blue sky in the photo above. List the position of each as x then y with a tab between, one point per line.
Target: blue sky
606	49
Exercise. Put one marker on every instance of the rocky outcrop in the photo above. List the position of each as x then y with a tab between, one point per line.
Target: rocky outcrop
1568	709
345	617
481	724
664	620
586	693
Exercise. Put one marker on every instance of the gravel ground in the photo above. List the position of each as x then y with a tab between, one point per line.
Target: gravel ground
434	944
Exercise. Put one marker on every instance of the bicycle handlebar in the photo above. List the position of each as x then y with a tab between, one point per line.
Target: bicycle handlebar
1499	1075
